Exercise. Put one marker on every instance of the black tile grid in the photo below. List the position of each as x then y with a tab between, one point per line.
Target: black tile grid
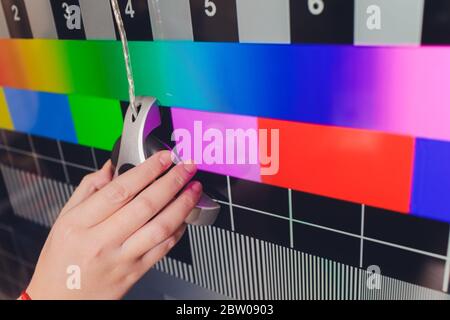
337	230
322	226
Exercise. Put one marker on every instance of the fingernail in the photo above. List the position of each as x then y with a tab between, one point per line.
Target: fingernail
165	158
190	167
196	186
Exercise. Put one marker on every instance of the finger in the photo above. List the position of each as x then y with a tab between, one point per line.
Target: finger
148	203
164	224
90	184
150	258
123	189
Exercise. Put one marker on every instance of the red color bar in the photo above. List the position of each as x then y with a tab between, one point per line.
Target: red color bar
362	166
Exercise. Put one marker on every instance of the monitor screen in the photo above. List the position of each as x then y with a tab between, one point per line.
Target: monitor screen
320	127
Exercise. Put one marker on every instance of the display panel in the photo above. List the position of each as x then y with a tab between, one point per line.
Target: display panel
360	103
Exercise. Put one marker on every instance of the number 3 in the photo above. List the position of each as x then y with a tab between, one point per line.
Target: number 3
129	9
210	8
15	10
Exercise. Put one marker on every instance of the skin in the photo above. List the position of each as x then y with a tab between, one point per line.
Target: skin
116	230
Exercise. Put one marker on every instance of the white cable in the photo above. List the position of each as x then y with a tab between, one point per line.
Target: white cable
126	54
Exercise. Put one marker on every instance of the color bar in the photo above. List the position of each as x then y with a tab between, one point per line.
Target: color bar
431	185
98	121
5	117
395	90
356	165
40	113
208	136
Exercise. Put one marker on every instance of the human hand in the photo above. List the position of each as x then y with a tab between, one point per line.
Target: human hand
114	231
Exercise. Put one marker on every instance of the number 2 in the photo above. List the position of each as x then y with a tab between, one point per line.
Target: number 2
210	8
129	9
15	11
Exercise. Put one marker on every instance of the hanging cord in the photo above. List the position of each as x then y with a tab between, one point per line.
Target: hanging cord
126	54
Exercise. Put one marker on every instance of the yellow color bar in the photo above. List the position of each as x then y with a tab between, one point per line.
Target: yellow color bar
5	118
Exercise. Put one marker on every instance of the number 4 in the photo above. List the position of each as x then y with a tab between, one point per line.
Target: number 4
210	8
129	9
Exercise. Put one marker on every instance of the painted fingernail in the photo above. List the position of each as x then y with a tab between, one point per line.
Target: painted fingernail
196	186
190	167
165	158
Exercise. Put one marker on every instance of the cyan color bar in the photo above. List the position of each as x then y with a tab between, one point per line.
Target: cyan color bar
39	113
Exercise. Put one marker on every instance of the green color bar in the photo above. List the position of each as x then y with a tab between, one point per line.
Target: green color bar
98	122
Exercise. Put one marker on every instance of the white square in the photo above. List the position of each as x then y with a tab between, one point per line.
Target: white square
263	21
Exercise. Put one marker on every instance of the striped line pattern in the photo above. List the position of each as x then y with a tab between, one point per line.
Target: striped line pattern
35	198
242	267
176	269
232	264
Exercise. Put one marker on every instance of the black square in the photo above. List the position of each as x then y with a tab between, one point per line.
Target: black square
68	19
215	185
30	238
7	243
260	196
165	130
102	156
436	22
4	157
52	170
8	287
17	140
5	205
15	270
418	233
332	213
405	265
262	226
17	18
76	174
223	219
46	147
214	20
2	137
78	154
136	19
327	244
124	107
322	21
